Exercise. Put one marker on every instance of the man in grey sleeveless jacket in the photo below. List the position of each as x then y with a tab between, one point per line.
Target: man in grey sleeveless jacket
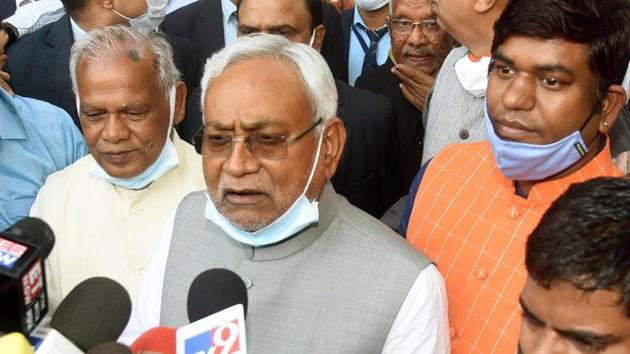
322	276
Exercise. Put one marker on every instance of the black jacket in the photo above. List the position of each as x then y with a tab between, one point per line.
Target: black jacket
409	129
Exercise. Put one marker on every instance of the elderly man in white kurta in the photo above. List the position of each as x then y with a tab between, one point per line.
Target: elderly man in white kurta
108	209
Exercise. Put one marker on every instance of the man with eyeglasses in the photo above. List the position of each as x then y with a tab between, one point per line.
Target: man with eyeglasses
323	277
419	47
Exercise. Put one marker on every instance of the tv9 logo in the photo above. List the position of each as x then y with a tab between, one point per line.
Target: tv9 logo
220	340
220	333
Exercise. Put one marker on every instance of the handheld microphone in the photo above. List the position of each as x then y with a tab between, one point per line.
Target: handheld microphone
109	348
15	343
156	340
23	297
214	290
217	303
95	311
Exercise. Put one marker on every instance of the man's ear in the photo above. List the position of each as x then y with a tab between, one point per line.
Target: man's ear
483	6
106	4
332	145
180	102
611	106
320	32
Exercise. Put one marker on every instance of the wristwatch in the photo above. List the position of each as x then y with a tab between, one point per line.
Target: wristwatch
10	30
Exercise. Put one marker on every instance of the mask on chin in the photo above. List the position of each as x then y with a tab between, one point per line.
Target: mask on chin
150	20
300	215
166	161
532	162
371	5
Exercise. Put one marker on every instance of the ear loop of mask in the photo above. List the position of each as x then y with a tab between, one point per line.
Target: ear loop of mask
312	41
314	167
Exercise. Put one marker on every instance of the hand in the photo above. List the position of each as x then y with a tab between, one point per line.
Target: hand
4	40
4	76
415	84
622	161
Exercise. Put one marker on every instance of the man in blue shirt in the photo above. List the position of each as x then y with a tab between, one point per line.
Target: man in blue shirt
366	37
36	139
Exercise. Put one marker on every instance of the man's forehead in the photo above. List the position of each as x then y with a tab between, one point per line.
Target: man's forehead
413	9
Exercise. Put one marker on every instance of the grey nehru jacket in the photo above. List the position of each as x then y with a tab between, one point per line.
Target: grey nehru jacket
455	116
335	287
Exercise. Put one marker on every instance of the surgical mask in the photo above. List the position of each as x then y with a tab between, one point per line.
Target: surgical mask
167	160
473	74
532	162
150	20
370	5
301	214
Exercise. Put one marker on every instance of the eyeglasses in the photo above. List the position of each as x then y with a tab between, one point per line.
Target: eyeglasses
428	27
260	145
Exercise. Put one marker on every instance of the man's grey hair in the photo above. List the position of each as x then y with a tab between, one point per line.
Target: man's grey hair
112	42
310	66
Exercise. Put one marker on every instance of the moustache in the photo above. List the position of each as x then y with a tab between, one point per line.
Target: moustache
418	51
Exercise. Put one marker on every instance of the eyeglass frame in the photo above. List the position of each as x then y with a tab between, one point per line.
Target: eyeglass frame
246	140
422	24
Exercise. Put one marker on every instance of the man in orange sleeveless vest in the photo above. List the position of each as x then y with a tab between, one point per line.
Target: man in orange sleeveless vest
554	91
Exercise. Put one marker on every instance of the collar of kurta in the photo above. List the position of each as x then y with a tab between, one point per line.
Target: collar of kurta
328	209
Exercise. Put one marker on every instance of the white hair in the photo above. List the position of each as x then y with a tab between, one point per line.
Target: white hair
310	66
112	42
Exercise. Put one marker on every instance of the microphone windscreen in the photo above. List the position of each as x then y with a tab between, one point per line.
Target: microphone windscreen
109	348
215	290
95	311
35	231
156	340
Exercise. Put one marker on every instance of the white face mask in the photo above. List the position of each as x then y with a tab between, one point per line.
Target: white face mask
300	214
370	5
164	163
473	75
150	20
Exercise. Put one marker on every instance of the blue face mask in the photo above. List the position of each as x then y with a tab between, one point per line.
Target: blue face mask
531	162
301	214
164	163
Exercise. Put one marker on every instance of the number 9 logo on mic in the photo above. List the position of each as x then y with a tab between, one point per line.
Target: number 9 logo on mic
219	333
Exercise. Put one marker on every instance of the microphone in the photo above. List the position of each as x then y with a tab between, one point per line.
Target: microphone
156	340
217	303
95	311
214	290
109	348
23	296
15	343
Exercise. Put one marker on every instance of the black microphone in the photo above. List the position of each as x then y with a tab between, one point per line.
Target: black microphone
214	290
23	298
95	311
217	305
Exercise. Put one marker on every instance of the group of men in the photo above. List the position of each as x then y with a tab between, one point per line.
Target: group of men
268	136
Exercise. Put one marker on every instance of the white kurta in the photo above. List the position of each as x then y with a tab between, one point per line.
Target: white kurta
105	230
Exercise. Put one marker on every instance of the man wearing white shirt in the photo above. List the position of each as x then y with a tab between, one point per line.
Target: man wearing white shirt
108	209
323	276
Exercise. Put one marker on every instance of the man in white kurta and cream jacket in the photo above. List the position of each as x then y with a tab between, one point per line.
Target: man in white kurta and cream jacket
108	209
